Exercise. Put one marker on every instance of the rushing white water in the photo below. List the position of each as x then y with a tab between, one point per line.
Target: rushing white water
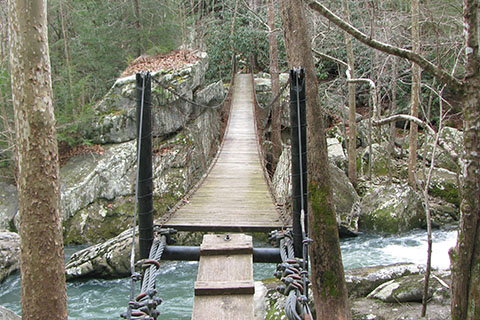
106	299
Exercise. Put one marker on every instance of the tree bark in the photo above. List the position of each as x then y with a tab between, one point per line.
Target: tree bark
43	293
138	26
352	124
276	111
415	95
328	280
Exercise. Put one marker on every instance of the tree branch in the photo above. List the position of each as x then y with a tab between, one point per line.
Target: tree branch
328	57
428	66
422	124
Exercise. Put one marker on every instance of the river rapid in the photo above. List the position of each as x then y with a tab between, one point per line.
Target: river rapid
106	299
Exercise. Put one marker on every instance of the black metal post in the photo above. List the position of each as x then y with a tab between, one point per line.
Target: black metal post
145	183
299	158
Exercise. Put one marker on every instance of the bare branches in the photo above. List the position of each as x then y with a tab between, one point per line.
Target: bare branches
384	47
422	124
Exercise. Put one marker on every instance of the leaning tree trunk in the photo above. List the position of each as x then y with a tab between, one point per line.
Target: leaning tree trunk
466	256
415	96
42	255
328	280
276	122
352	125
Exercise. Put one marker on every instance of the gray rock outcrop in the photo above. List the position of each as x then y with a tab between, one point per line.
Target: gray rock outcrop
391	208
9	254
346	199
115	113
410	289
362	281
110	259
393	290
8	205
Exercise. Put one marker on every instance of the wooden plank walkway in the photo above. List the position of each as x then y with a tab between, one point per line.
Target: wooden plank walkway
224	288
234	196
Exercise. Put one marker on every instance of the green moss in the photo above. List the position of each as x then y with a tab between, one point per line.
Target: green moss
448	192
329	282
11	226
382	221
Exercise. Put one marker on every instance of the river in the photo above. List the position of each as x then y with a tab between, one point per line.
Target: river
106	299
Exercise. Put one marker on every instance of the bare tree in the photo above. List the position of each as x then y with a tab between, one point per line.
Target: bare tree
328	280
415	95
352	125
465	257
276	123
42	256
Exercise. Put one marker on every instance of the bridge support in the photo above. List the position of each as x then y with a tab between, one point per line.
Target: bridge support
299	158
145	183
184	253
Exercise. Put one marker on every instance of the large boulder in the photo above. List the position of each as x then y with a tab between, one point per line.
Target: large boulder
9	254
408	280
98	191
93	176
345	197
362	281
336	153
110	259
453	138
114	120
391	208
263	89
443	185
409	288
8	205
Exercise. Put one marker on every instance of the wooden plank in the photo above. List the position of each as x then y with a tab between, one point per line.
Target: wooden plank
223	307
211	288
226	249
224	288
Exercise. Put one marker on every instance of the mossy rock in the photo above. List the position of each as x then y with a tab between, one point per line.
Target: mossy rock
391	209
99	221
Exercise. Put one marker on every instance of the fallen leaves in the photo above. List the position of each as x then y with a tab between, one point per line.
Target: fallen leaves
173	60
65	155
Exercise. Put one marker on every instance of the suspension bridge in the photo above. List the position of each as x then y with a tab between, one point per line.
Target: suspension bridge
233	198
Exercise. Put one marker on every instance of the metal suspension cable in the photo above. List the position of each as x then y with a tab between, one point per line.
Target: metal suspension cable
294	275
134	276
189	100
282	90
300	156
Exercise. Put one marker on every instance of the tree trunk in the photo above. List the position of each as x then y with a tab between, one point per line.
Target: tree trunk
68	61
352	125
43	293
276	111
328	280
138	26
466	256
415	96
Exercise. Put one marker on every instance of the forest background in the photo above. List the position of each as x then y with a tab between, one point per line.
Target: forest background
92	42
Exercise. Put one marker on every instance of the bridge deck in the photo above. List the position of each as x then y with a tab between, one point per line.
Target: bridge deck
234	196
224	288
